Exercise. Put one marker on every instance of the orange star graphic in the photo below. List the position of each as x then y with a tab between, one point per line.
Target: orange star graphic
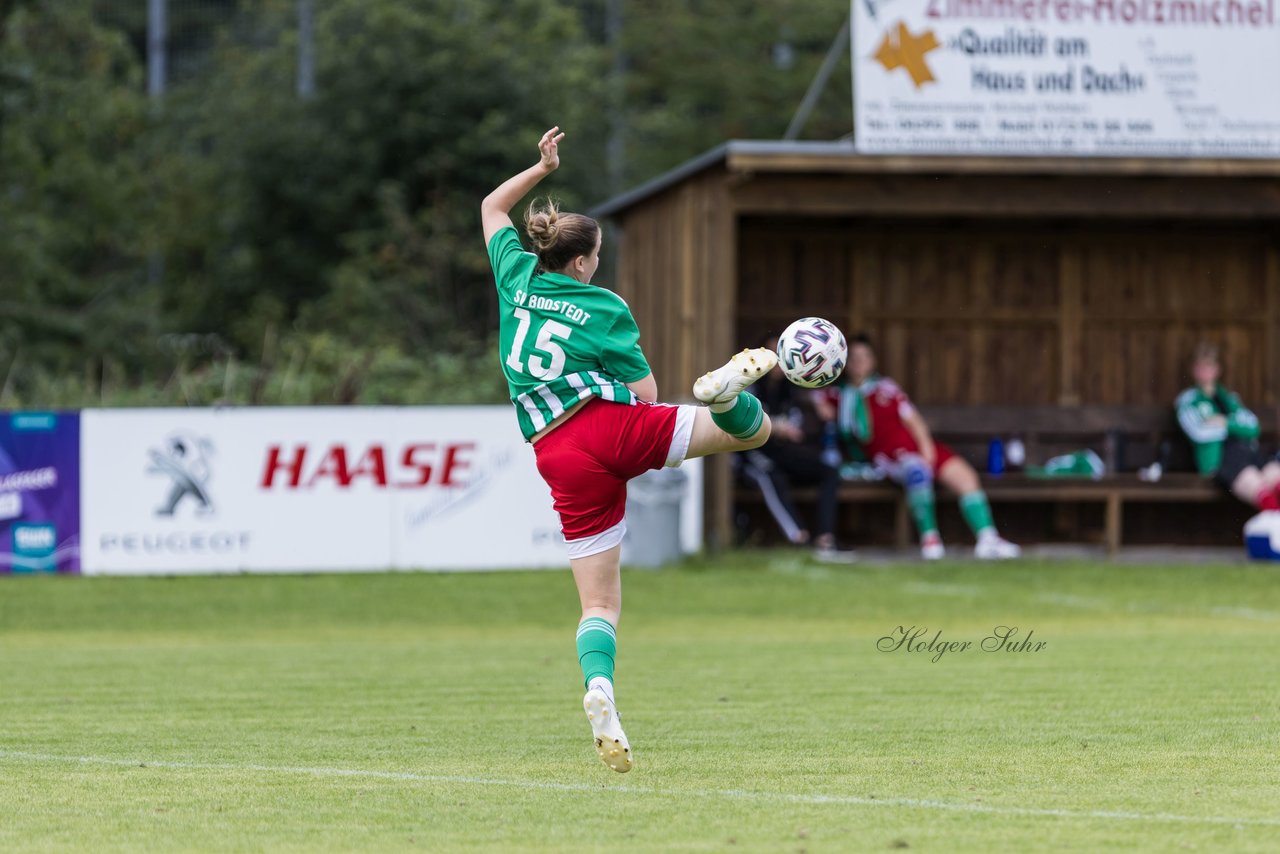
903	50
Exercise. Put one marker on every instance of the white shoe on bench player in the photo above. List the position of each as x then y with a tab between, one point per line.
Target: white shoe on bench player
991	546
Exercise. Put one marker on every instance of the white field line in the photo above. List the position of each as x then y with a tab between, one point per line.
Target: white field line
1070	600
1245	613
1087	603
625	789
942	588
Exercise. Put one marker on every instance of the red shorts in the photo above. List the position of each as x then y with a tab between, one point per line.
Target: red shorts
884	458
588	460
943	456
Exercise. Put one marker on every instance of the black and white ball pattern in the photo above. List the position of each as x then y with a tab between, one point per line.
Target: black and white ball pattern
812	352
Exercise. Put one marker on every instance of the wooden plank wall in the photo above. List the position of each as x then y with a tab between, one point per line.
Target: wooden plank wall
1005	312
677	269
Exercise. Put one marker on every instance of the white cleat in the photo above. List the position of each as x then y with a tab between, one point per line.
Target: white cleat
931	547
725	382
611	741
996	548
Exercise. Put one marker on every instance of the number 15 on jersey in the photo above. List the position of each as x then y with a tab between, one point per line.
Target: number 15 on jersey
545	345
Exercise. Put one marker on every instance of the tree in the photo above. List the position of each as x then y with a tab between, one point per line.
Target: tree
74	192
357	211
234	241
700	72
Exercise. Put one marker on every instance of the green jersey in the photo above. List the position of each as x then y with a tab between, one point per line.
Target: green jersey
560	341
1195	409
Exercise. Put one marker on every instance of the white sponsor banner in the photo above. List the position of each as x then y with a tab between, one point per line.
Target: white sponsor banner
1161	78
174	491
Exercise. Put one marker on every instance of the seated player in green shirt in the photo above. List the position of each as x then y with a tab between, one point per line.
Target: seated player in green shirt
584	397
1224	435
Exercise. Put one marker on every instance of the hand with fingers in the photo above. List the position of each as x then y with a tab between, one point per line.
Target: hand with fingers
549	148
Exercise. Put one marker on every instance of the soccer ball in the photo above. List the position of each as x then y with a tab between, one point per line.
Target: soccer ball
812	352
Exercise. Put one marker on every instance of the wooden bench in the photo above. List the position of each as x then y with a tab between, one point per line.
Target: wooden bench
1126	437
1112	492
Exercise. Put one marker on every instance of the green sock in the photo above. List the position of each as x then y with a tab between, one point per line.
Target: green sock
977	512
744	417
597	645
921	502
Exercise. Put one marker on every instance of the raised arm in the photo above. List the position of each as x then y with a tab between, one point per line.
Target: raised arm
496	207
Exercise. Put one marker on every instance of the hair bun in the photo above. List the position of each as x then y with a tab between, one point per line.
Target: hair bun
542	224
559	237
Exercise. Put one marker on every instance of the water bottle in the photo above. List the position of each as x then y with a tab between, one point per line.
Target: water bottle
1015	453
995	457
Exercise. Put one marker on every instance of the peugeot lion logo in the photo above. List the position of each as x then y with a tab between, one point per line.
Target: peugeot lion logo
185	460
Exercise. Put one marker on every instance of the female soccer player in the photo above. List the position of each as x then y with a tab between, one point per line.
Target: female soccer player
584	396
876	415
1224	435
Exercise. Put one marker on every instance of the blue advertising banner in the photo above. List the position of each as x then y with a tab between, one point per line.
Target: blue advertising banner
39	492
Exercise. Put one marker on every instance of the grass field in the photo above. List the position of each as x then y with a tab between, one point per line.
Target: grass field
442	712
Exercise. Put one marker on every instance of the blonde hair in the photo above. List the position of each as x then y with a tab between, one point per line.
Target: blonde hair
558	237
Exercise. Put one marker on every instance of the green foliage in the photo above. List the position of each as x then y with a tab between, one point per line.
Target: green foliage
679	103
318	368
73	189
345	226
